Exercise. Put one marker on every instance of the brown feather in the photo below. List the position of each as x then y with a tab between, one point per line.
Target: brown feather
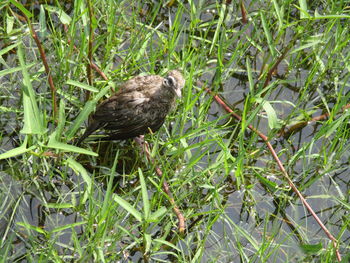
142	103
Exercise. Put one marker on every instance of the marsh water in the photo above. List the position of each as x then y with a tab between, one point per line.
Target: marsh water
248	216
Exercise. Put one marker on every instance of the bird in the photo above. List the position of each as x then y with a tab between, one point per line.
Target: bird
140	106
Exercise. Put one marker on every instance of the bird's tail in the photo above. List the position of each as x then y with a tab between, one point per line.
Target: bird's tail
93	126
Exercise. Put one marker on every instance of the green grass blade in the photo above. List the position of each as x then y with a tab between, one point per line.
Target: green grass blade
33	120
128	207
145	198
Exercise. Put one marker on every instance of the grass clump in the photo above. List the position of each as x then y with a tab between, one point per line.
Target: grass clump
282	66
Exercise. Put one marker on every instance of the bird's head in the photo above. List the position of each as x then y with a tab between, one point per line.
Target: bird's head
175	80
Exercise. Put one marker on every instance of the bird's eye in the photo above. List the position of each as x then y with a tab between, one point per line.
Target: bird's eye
169	81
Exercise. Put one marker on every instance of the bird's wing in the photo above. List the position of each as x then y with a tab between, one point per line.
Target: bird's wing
123	111
121	103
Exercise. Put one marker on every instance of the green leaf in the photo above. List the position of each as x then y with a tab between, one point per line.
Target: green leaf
308	248
22	8
279	14
268	35
271	113
17	151
85	112
42	23
12	70
148	37
160	212
64	227
250	77
30	227
83	115
336	124
308	45
61	120
77	167
9	23
128	207
53	143
223	7
148	241
58	205
303	9
33	123
269	184
8	48
63	17
167	244
81	85
145	199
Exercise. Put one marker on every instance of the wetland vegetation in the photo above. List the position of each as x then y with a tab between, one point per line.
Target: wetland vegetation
237	178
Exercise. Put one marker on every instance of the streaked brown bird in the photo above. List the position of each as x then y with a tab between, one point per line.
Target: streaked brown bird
141	104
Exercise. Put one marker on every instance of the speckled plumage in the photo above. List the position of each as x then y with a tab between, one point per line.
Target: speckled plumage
140	105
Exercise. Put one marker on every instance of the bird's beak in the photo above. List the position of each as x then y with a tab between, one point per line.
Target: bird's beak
178	92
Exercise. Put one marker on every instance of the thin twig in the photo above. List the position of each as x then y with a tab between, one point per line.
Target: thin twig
99	71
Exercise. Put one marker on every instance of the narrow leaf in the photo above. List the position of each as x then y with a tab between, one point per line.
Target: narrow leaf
17	151
22	8
63	17
81	85
81	170
53	143
145	199
85	112
128	207
32	117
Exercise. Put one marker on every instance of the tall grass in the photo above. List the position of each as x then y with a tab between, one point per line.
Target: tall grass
104	202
